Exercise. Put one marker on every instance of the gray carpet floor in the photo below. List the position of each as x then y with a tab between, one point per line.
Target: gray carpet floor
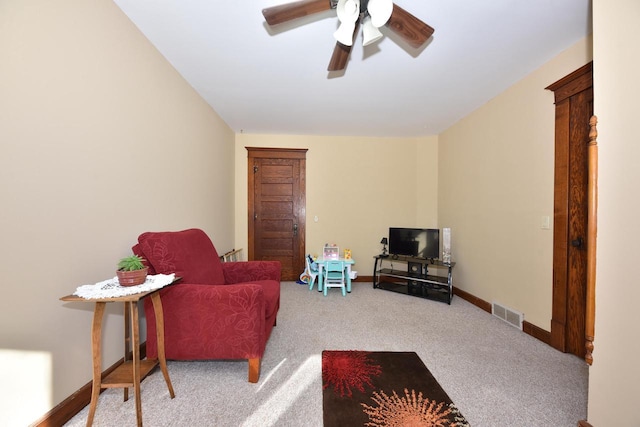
496	374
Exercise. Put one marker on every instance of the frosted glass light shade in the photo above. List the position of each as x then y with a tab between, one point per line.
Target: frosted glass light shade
380	11
348	12
344	33
370	33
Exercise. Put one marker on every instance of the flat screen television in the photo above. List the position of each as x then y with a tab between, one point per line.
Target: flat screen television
415	242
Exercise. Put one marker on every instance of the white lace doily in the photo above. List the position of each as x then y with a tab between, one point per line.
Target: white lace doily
111	288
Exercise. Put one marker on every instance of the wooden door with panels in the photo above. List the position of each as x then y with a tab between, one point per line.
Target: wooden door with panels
574	108
277	207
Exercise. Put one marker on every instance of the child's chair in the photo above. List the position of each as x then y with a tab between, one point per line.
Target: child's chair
311	272
334	276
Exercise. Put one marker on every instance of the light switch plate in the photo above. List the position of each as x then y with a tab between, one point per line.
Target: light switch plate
545	223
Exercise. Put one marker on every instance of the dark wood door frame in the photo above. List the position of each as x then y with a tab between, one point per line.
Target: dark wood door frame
569	305
255	155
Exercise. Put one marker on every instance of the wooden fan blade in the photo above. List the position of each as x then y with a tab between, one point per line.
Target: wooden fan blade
341	53
339	58
411	29
286	12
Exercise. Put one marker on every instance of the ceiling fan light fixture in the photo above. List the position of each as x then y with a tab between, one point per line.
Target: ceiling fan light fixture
370	34
380	11
351	8
348	13
344	33
348	10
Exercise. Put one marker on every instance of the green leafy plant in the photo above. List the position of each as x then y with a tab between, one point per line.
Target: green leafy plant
131	263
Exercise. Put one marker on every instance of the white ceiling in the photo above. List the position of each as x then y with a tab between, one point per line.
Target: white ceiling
274	80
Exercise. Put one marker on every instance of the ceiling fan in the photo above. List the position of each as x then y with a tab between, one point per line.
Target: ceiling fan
371	14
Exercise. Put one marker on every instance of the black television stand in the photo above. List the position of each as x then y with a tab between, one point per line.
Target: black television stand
416	279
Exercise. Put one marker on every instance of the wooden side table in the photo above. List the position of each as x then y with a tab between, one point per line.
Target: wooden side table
132	371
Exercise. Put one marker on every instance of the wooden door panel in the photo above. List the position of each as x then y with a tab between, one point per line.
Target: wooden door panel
578	209
273	209
274	226
560	227
277	208
574	107
277	189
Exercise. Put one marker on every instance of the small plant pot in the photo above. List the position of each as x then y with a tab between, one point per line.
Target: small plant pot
132	278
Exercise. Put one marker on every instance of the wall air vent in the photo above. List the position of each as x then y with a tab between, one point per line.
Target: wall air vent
512	317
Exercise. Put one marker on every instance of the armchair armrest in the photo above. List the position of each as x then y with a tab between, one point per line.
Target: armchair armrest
248	271
210	321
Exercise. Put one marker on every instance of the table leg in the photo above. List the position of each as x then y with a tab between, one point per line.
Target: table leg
320	285
157	309
127	341
96	335
348	277
133	307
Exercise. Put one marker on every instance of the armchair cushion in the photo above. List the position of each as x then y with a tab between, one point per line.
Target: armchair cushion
188	253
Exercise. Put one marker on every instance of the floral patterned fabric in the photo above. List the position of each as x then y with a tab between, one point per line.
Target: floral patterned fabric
218	310
210	322
242	271
189	254
261	272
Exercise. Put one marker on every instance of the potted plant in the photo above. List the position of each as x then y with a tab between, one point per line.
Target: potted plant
132	271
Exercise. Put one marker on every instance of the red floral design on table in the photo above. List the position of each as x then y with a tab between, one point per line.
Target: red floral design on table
408	410
383	389
344	370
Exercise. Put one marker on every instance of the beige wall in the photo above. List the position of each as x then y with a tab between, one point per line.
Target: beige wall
496	184
614	379
357	187
101	140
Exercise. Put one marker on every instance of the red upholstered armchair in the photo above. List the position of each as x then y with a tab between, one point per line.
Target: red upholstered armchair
218	310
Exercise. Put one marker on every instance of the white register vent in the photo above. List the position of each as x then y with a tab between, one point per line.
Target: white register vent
512	317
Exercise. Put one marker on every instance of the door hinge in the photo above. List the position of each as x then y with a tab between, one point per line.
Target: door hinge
255	169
